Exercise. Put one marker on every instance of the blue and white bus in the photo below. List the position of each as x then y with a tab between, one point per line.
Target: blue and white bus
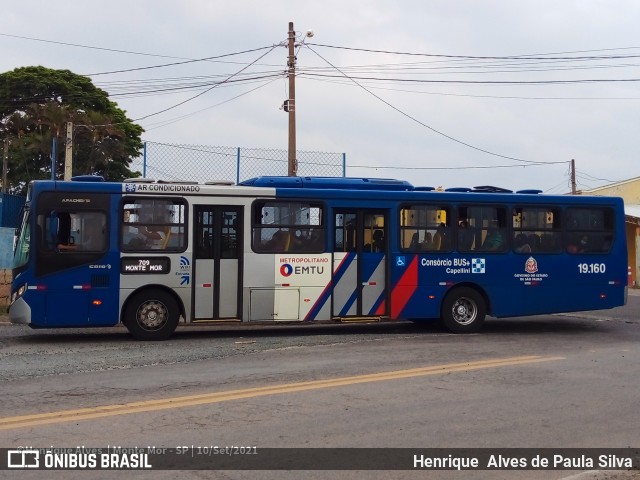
272	250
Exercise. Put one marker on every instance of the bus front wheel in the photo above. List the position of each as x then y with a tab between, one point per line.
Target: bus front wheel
463	310
152	315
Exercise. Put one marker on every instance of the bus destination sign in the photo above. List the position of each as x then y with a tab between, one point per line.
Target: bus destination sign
133	265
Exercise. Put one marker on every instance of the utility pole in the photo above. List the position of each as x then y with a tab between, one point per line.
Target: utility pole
573	177
5	165
68	153
291	103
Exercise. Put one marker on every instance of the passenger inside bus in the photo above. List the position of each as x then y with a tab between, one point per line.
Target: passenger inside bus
520	243
93	236
315	239
279	242
139	237
494	240
378	241
441	238
414	245
427	242
65	240
465	236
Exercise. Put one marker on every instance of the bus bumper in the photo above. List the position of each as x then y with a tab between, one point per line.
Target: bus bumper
20	312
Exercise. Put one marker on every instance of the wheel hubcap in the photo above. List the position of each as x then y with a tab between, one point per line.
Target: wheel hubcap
464	311
152	314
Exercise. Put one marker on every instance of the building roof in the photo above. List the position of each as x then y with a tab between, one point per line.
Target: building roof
607	187
632	210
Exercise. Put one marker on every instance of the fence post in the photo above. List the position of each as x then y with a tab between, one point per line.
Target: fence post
344	164
144	160
238	167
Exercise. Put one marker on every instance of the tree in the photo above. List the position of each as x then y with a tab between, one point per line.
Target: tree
35	105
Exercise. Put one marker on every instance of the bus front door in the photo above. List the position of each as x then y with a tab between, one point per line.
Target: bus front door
359	263
217	262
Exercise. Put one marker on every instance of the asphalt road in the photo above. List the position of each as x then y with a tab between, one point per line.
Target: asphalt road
538	382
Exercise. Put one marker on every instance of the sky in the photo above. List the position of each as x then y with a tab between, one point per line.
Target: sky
438	92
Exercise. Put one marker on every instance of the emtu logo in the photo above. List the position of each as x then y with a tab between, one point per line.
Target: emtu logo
23	459
286	270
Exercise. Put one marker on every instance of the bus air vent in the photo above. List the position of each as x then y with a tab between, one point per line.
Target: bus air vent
179	182
219	182
87	178
490	189
530	192
99	281
139	180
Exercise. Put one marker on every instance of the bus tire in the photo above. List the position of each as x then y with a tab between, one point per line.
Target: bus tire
463	310
152	315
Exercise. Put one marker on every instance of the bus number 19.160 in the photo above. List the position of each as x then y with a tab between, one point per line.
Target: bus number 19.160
592	267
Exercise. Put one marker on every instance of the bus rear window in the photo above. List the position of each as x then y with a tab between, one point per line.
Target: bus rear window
589	230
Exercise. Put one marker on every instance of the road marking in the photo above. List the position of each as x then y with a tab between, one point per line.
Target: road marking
217	397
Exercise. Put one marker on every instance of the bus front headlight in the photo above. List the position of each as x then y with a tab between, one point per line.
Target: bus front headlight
18	293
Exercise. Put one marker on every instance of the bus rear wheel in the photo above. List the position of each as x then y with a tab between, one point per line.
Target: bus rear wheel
463	310
151	315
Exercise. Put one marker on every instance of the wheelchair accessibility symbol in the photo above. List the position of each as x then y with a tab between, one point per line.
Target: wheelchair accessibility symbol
400	261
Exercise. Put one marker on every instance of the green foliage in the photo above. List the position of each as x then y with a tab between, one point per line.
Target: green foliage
35	105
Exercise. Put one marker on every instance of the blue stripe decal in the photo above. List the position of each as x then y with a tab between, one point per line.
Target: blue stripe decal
370	262
347	306
344	266
378	302
326	293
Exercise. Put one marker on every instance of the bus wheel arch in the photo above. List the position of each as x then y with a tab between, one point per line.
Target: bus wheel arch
464	309
152	313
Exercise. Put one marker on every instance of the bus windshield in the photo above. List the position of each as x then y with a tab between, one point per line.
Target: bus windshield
21	253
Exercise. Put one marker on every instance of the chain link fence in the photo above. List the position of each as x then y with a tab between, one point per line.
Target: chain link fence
164	161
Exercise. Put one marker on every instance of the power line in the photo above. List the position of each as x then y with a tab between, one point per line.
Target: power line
208	89
91	47
478	82
226	81
428	126
508	97
205	59
590	178
537	56
175	120
473	167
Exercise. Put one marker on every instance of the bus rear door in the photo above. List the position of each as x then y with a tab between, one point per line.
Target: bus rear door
359	263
